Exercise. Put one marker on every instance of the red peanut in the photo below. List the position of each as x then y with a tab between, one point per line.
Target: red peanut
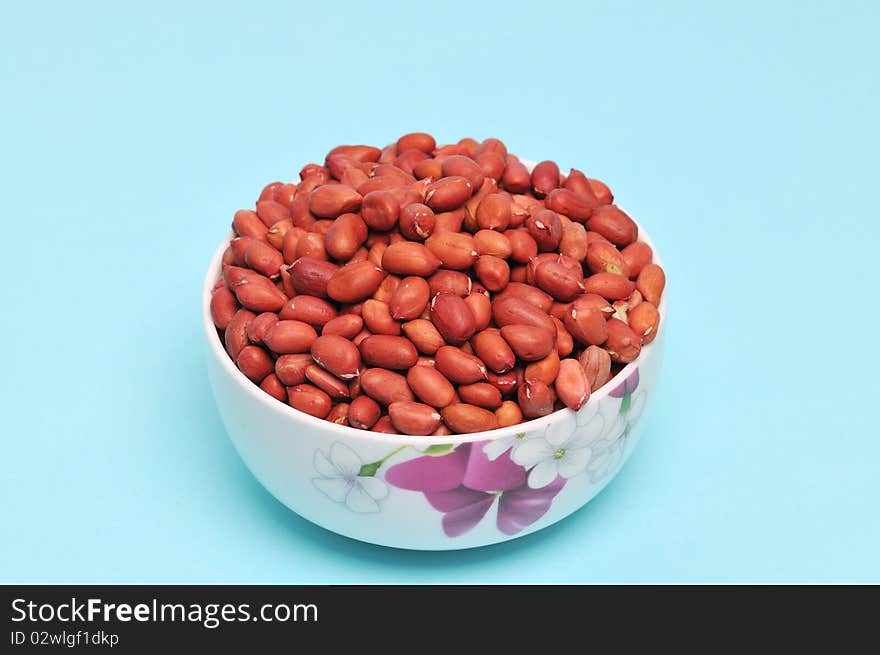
452	264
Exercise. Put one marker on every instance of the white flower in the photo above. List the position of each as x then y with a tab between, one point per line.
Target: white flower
340	481
604	459
563	450
497	447
590	419
617	422
608	451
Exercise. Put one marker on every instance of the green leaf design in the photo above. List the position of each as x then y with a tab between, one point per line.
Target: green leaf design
369	470
438	450
625	403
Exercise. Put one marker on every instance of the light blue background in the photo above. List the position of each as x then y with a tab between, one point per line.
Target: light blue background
743	137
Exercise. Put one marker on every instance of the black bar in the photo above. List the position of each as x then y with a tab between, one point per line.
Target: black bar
279	615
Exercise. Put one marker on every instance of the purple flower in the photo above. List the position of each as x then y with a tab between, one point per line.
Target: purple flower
462	508
523	506
627	386
428	474
464	484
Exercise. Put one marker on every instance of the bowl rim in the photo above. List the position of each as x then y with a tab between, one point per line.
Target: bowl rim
273	404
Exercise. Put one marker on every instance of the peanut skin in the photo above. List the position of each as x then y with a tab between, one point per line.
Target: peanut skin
435	289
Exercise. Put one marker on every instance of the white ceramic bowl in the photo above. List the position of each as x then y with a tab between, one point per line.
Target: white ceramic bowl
432	493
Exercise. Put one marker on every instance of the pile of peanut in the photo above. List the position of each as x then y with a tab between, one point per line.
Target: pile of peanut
430	290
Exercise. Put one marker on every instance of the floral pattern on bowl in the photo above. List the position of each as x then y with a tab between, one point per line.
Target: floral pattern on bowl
522	473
